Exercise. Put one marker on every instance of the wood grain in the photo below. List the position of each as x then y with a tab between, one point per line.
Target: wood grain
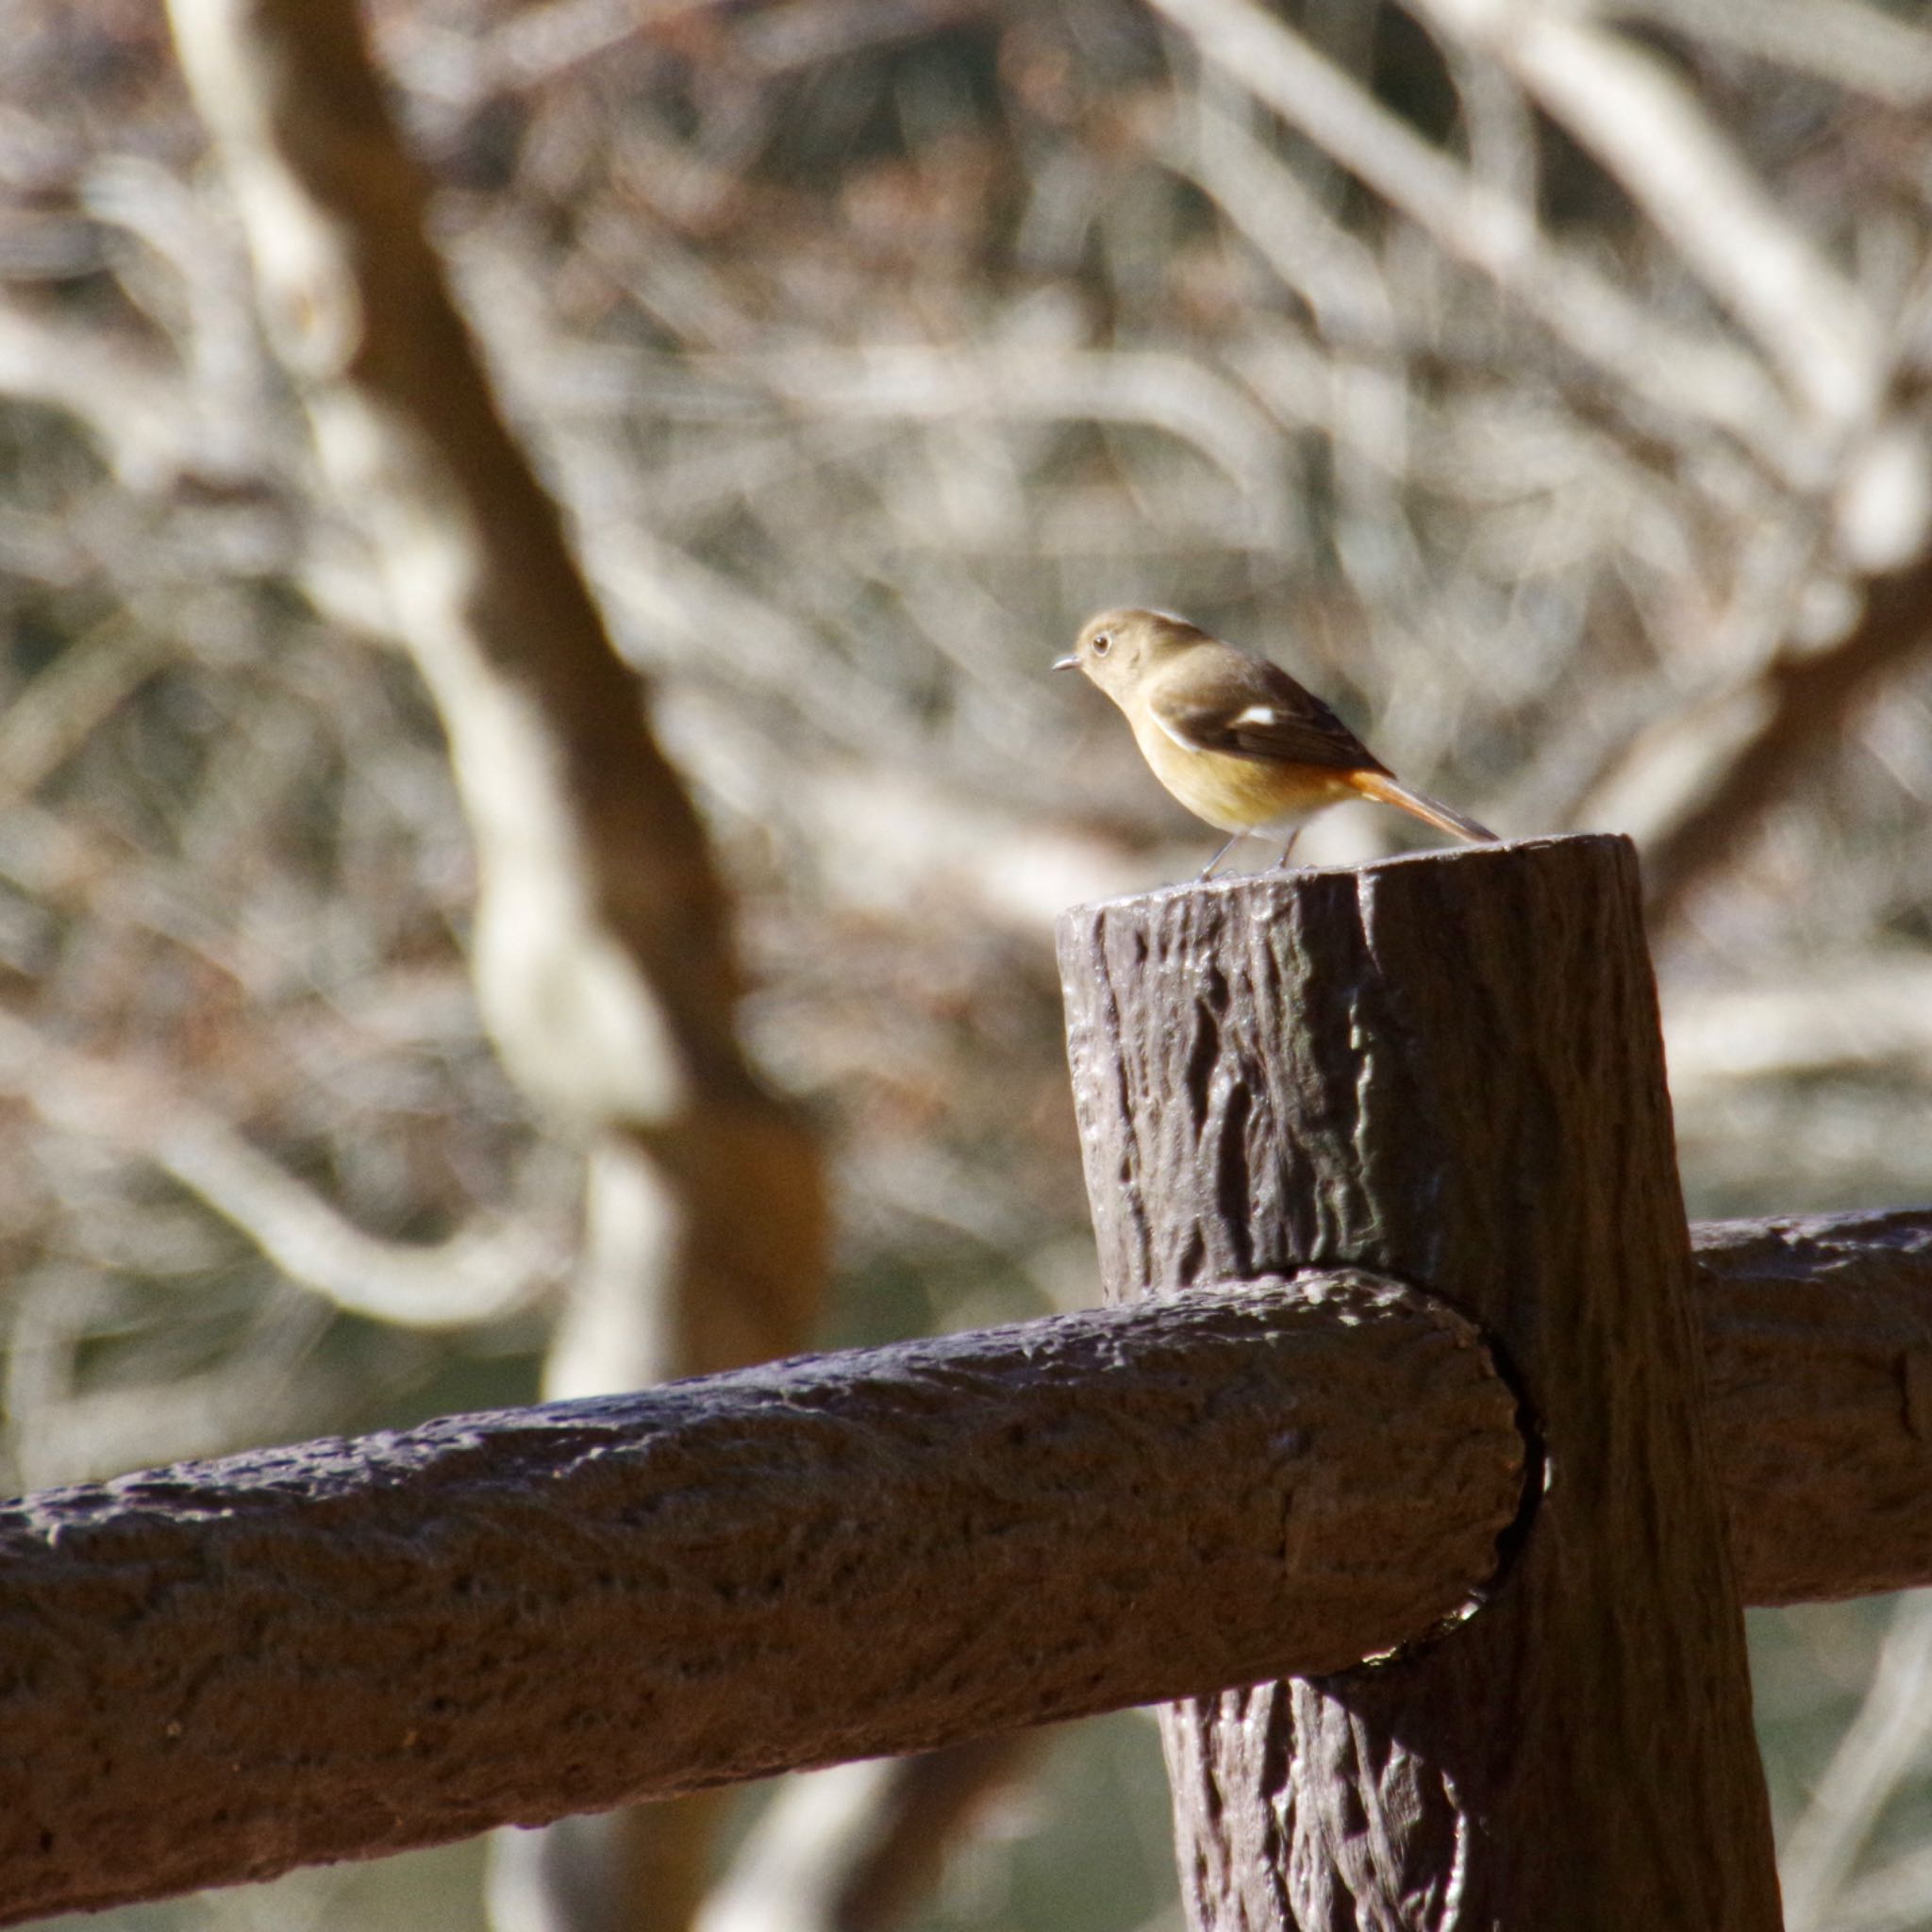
1818	1347
218	1671
1448	1068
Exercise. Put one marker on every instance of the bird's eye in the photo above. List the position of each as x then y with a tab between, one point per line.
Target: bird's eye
1103	644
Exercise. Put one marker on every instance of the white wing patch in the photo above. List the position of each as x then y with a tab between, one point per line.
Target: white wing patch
1262	715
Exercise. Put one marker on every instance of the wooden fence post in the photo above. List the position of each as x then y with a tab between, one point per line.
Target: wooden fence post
1448	1068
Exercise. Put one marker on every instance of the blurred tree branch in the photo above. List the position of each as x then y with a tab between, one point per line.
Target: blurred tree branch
855	1848
1847	42
1693	788
1655	139
1650	360
603	959
602	952
480	1275
1886	1740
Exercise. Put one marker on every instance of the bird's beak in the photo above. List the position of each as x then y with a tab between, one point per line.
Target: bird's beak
1066	664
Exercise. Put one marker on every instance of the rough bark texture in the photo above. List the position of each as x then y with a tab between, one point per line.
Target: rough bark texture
214	1671
1818	1346
1449	1068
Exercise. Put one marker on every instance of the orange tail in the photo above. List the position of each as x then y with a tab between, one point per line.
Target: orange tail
1387	789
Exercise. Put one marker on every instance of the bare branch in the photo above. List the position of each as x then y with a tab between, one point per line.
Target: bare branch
1170	393
1694	786
1862	1011
1694	379
481	1275
850	1849
604	965
1647	130
1892	1899
57	1432
132	406
1882	1745
1332	270
47	724
1845	41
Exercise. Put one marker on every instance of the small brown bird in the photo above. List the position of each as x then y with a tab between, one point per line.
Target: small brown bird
1235	738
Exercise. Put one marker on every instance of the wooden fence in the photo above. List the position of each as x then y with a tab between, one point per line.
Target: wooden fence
1422	1458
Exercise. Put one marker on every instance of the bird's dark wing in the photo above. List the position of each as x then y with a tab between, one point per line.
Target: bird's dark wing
1247	708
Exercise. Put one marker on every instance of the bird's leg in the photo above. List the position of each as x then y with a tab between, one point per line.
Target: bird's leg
1288	848
1208	870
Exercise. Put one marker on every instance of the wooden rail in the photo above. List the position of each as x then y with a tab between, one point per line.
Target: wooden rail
218	1671
1818	1351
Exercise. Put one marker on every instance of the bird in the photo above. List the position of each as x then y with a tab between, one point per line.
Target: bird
1233	737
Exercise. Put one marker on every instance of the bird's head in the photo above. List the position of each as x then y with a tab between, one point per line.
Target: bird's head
1119	647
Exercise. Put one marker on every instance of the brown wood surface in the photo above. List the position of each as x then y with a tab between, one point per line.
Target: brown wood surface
215	1671
1448	1068
1818	1346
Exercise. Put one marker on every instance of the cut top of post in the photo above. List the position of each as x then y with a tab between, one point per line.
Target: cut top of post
1382	1003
